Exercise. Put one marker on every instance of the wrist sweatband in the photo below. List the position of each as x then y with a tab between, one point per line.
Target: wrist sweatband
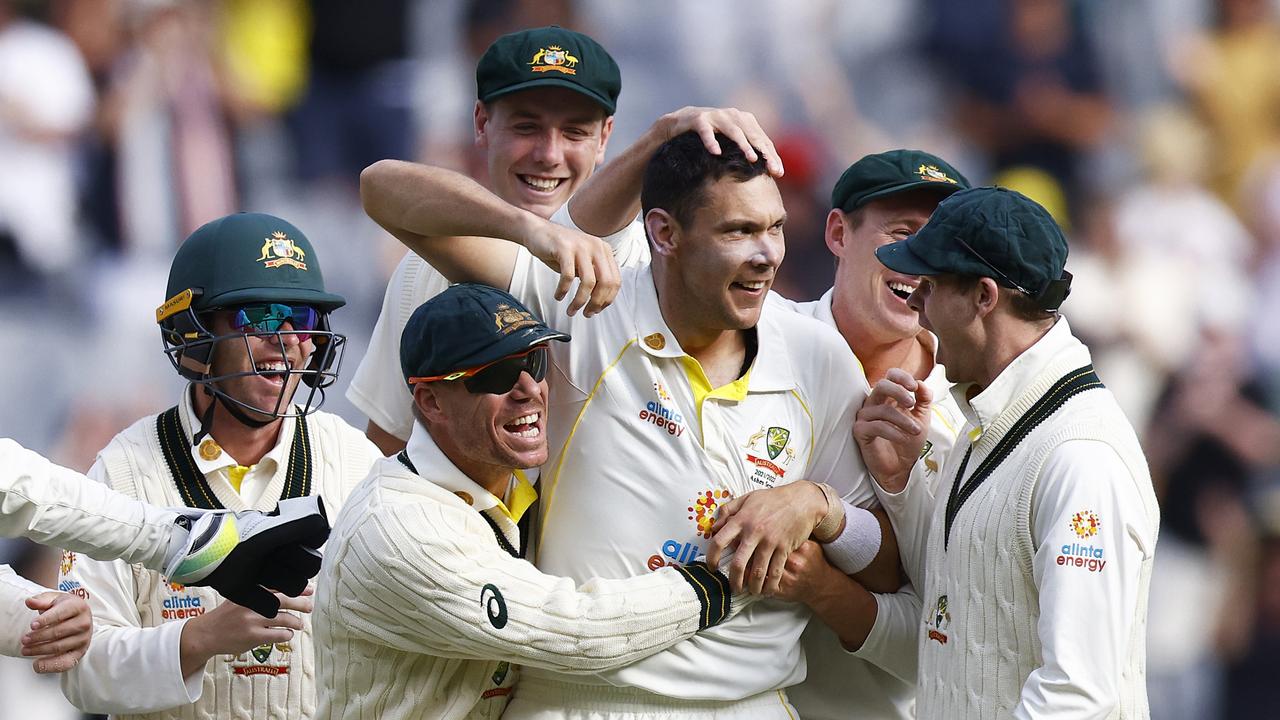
826	530
858	545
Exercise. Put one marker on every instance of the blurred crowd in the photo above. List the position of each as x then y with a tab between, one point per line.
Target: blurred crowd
1149	128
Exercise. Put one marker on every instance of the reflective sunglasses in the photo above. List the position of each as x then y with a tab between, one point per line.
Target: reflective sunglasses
270	317
499	376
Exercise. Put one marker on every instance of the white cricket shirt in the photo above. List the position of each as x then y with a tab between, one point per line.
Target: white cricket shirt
643	451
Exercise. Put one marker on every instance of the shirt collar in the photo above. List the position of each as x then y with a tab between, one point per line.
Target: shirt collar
770	371
436	467
210	457
983	409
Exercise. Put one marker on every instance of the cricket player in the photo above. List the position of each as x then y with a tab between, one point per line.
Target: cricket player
247	323
425	601
685	392
1039	560
859	664
545	99
235	554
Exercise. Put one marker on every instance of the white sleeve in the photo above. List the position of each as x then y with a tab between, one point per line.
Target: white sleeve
892	643
836	460
428	578
15	616
56	506
1092	537
911	512
630	245
128	668
378	389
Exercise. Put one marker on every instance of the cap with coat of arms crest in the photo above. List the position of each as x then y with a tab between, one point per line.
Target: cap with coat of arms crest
548	57
467	326
248	257
892	172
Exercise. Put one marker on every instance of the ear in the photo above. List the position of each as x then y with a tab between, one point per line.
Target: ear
428	403
663	231
986	296
480	123
606	131
837	233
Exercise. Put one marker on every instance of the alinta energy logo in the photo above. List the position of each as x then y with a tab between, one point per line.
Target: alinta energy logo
703	510
180	603
662	412
1085	524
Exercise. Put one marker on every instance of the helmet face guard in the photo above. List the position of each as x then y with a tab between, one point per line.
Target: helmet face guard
189	345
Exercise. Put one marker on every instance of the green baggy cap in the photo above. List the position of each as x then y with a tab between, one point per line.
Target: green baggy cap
989	232
893	172
548	57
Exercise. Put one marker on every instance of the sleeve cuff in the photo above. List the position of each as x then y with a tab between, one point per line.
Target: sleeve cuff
185	690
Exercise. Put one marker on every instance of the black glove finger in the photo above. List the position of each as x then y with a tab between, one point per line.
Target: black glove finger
253	597
288	570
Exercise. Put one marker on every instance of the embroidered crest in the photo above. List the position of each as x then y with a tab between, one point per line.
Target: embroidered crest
553	58
932	173
279	250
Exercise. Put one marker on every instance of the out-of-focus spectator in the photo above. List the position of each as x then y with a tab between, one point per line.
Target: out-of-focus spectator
357	108
1030	91
1209	435
1233	73
176	167
1250	690
46	100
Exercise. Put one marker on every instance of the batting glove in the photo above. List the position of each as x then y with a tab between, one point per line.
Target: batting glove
241	554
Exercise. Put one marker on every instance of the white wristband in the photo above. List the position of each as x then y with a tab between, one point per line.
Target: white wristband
855	547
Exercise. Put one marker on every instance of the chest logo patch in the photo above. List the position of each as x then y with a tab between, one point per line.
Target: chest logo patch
775	443
703	510
1085	524
938	620
662	412
266	659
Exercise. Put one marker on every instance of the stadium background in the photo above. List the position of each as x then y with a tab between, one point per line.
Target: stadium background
1150	128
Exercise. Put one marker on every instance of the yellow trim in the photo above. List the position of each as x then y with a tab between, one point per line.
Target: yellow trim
813	432
785	705
236	475
950	428
175	304
564	449
521	497
701	385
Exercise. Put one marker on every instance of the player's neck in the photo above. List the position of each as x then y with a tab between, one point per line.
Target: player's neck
494	478
246	445
913	354
878	352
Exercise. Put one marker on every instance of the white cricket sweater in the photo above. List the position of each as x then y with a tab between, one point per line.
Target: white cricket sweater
132	668
421	612
1037	605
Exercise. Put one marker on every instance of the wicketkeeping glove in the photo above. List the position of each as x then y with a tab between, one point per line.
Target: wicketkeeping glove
241	554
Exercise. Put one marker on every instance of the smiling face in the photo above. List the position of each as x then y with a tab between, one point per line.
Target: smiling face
487	435
272	388
541	145
877	294
718	266
948	308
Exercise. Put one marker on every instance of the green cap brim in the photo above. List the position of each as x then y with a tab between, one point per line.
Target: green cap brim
944	189
326	302
552	82
898	257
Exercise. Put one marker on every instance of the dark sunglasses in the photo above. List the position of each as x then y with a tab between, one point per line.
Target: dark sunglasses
270	317
499	376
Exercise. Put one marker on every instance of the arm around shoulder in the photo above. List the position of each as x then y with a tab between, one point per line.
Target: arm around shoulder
477	602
